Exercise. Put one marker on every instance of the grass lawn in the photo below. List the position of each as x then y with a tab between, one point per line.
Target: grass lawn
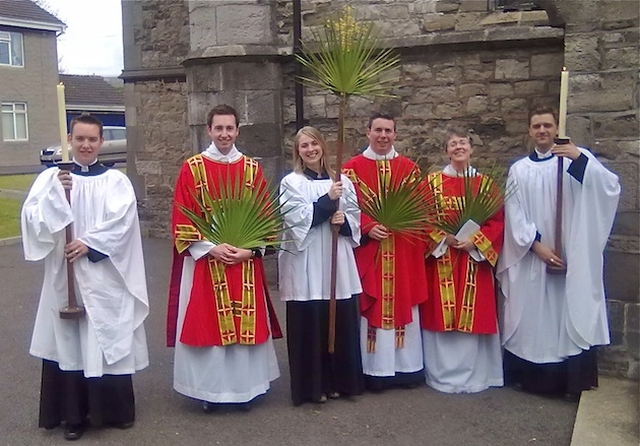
9	217
16	182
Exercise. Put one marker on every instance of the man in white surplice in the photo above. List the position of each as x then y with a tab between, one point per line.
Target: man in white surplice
108	343
551	322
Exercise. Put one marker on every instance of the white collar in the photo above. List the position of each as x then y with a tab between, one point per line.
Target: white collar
214	154
542	156
451	172
370	154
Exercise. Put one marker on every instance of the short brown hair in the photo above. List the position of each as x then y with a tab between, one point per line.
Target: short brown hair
456	131
85	118
313	133
543	109
222	109
386	116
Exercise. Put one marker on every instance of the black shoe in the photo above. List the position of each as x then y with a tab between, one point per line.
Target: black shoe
73	432
124	425
208	407
571	397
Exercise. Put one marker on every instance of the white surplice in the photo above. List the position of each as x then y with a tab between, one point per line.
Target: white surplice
110	338
304	263
548	318
231	374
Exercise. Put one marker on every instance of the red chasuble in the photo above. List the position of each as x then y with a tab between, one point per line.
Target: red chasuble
227	303
392	278
461	290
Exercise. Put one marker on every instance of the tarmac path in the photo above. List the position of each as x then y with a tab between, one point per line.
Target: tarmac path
421	416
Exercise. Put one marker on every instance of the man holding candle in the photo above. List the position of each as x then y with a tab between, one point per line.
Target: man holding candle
552	321
87	362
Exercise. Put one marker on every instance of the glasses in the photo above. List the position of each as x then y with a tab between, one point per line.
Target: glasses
461	142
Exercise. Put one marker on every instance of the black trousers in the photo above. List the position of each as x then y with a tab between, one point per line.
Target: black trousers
70	398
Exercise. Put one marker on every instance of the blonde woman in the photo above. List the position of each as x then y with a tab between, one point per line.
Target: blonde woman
312	204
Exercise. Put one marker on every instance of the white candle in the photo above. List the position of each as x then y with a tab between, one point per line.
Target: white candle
562	110
62	120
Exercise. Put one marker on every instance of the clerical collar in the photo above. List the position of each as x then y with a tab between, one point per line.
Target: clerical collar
213	153
91	170
537	156
370	154
313	175
451	172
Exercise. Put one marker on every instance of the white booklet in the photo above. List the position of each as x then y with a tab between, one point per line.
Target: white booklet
467	231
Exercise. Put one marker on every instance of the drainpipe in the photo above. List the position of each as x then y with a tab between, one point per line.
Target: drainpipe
297	71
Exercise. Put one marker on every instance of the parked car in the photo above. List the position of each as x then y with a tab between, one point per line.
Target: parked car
114	149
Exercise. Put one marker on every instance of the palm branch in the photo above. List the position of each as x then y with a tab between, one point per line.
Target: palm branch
482	197
240	216
404	204
348	58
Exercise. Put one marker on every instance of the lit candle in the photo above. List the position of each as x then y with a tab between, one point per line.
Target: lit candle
562	110
62	120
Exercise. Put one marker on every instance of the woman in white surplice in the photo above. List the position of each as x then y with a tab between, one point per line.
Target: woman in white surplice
312	203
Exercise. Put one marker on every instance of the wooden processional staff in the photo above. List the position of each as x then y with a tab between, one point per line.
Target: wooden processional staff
561	139
72	310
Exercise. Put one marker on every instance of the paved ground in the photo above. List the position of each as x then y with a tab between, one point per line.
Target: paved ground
497	417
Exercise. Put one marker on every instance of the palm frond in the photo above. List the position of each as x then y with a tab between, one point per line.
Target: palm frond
404	204
244	217
482	197
348	58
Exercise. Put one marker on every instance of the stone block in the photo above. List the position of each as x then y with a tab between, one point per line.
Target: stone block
530	88
502	18
449	75
514	106
498	90
204	78
243	24
604	91
452	109
621	276
417	74
582	53
202	21
627	223
579	127
447	6
259	107
473	6
250	76
615	125
476	105
632	322
511	69
439	22
616	317
481	72
315	107
620	58
466	90
433	94
546	65
467	21
534	18
261	140
384	12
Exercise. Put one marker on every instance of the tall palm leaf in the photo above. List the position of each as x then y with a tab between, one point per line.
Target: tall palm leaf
347	58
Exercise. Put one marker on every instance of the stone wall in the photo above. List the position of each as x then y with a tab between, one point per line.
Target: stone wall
461	64
602	53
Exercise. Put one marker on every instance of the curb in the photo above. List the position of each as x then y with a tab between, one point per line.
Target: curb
11	241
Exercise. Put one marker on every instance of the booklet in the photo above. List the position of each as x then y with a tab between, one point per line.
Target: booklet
467	231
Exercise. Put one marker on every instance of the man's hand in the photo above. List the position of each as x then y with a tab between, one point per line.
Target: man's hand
74	250
230	255
65	178
567	150
338	218
378	232
335	191
450	240
546	254
466	245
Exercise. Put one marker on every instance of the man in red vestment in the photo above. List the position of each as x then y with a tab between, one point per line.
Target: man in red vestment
217	316
459	320
389	265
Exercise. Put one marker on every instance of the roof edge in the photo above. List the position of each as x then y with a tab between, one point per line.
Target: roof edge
32	24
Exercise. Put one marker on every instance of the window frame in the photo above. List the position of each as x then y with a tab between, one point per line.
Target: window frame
11	44
13	113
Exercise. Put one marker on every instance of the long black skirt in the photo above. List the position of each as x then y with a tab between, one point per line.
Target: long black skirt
571	376
314	371
69	397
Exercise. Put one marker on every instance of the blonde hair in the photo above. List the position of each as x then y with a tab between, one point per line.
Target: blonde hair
313	133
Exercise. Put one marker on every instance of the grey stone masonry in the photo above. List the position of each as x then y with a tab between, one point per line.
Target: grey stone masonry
460	64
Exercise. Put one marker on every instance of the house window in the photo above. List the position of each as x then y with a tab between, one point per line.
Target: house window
11	52
14	121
